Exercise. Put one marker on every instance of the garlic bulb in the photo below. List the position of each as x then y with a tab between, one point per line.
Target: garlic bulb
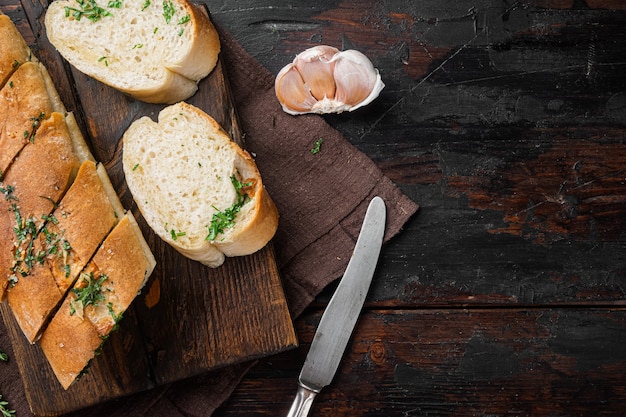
324	80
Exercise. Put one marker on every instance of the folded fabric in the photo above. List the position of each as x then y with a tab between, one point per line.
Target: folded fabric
321	198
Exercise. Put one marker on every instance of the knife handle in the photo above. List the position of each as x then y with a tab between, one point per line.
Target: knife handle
302	403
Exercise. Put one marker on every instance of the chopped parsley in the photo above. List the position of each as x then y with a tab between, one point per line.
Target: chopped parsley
223	220
146	4
30	135
6	412
168	10
175	235
8	192
88	9
89	294
115	4
317	146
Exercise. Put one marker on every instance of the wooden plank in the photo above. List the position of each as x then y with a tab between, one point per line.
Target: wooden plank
456	362
190	318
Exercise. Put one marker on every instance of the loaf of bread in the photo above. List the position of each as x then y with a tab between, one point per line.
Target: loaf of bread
196	188
60	219
154	51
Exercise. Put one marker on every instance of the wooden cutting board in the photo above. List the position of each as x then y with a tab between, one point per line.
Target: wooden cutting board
189	319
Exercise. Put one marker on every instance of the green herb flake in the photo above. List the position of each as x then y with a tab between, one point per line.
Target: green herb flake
175	235
168	11
8	192
90	294
223	220
136	166
146	4
115	4
104	58
4	408
138	46
317	146
88	9
30	135
184	20
3	356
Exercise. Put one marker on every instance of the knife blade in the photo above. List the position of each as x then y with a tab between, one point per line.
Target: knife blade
342	312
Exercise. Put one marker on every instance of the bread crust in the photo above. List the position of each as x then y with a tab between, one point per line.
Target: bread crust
69	343
13	49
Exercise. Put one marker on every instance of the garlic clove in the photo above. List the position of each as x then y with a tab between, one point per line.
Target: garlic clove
316	68
292	92
357	81
322	80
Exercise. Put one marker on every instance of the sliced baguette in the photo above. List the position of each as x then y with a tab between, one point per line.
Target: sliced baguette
179	172
81	221
134	49
25	101
121	266
38	182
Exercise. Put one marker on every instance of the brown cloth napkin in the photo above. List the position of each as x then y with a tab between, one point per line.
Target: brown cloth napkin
321	199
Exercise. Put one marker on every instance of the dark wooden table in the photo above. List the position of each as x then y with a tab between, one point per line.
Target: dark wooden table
506	122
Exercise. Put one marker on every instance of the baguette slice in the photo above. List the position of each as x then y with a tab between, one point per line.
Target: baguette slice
81	221
121	266
25	100
179	172
134	49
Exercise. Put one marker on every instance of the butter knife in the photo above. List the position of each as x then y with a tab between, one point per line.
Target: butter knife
342	312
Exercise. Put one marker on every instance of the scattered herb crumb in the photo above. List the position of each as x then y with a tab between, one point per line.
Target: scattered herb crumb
168	10
88	9
90	293
3	356
223	220
175	235
146	4
136	166
317	146
6	412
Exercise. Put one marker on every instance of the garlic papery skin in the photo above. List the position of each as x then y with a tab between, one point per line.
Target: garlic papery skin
323	80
